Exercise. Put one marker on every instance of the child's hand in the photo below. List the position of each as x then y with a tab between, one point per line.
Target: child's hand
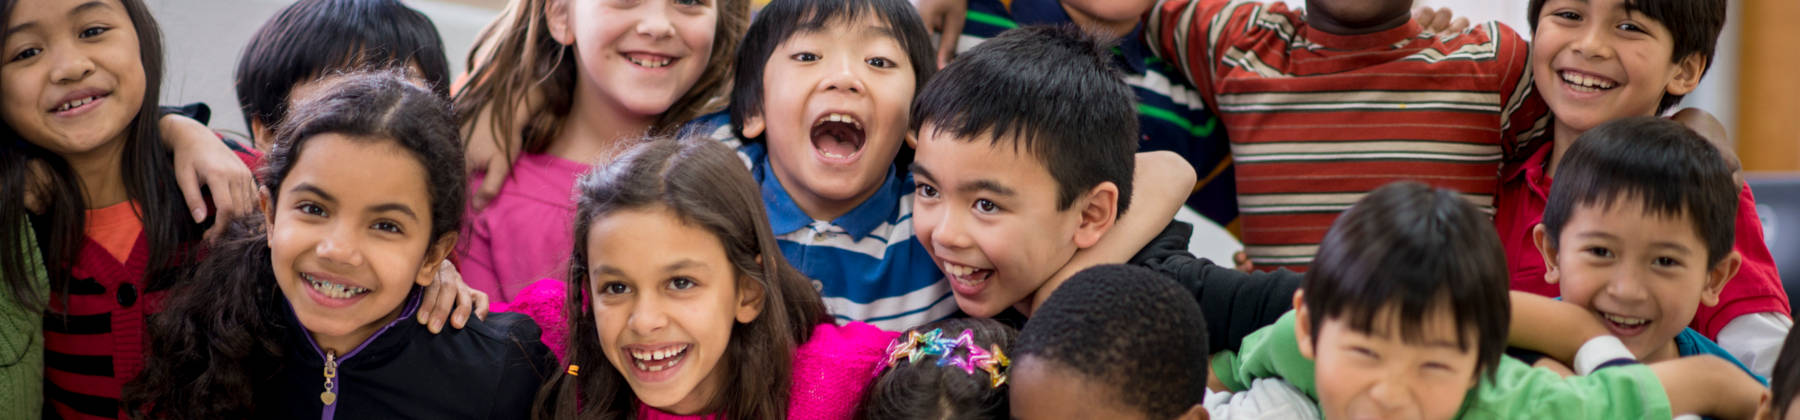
1440	21
1241	262
1708	385
448	298
484	154
1714	131
945	17
203	160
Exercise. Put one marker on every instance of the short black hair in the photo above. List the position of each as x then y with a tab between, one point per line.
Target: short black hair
314	38
781	19
1695	24
1051	90
1129	328
1784	382
1669	168
926	390
1412	249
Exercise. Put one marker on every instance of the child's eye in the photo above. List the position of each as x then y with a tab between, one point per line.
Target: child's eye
310	209
681	283
927	191
1600	252
1632	27
1666	262
389	227
614	289
880	62
27	53
805	57
1567	15
985	206
690	2
93	32
1365	352
1436	366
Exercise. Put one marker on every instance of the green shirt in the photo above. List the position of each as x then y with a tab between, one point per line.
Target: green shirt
22	344
1517	390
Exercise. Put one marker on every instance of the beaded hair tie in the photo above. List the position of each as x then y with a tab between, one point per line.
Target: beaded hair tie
915	346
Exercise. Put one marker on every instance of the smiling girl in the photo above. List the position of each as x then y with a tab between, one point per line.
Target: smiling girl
364	198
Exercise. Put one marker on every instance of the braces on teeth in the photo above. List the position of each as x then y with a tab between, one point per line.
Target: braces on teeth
334	290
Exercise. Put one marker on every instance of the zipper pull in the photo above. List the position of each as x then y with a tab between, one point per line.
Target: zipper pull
329	397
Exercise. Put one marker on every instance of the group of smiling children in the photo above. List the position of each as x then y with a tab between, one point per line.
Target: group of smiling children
680	210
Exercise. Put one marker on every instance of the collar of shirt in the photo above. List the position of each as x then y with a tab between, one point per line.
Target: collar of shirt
785	216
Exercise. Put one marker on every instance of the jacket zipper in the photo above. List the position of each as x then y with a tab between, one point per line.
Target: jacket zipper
329	397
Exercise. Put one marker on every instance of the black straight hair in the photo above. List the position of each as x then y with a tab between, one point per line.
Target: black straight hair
148	175
221	333
1695	25
1662	164
927	390
782	19
1413	250
1128	328
1784	382
1048	90
314	38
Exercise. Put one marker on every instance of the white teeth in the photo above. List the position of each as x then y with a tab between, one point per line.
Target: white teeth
75	103
1586	83
654	63
958	270
333	290
1627	321
842	118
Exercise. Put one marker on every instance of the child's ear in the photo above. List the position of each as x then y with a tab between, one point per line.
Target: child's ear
750	298
1687	75
912	139
1718	276
1302	325
1541	237
556	15
435	257
1197	412
753	126
261	136
1765	408
1099	209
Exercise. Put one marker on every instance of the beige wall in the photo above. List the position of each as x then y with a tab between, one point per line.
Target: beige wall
1768	125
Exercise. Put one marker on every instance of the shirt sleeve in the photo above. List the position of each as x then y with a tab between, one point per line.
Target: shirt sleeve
1520	391
1524	117
1271	352
1756	340
1757	286
1181	33
1234	303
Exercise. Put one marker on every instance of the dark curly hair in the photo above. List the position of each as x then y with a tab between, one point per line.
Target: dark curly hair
220	332
928	391
704	184
1129	329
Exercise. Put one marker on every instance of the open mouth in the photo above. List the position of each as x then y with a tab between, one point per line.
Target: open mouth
76	103
838	136
333	290
649	61
966	278
657	360
1623	325
1587	83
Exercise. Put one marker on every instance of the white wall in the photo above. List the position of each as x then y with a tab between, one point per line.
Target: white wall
203	39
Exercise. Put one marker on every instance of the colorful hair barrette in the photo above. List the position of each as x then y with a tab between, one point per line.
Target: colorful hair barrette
915	346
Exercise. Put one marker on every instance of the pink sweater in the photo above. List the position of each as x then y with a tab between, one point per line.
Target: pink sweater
524	233
831	370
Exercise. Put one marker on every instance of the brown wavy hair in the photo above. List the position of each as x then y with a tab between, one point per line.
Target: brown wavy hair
517	66
704	184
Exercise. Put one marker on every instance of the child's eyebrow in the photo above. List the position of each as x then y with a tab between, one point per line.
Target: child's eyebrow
670	268
1672	246
315	190
83	8
395	207
986	185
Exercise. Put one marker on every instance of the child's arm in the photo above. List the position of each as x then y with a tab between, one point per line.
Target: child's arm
1555	328
449	300
945	18
1163	181
1235	303
203	160
1709	385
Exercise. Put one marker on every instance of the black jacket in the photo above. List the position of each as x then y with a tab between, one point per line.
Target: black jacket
1235	303
486	370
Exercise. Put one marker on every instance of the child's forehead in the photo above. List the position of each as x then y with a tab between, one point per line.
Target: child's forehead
1431	328
1616	218
845	27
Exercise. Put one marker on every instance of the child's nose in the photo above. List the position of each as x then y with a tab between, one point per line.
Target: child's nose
950	232
340	248
647	316
1592	43
71	66
1627	285
843	77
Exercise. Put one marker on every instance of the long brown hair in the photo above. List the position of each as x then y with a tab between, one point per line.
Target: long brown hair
705	185
516	63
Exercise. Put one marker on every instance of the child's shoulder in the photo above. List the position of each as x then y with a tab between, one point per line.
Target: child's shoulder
834	367
1691	343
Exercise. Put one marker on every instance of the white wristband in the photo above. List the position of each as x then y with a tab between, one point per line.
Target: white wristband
1598	351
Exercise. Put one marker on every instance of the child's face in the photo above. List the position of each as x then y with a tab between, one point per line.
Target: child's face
988	215
1039	390
1594	61
350	236
1641	275
1379	375
665	299
637	57
1360	14
72	78
835	105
